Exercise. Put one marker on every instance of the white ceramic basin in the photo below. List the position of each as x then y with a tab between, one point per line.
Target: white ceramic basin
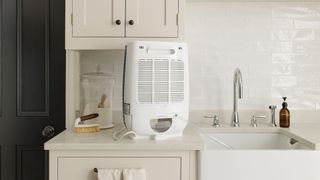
254	141
256	156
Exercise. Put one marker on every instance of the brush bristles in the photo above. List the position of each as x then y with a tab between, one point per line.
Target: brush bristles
86	129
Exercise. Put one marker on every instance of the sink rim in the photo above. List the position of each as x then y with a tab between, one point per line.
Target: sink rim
229	146
205	128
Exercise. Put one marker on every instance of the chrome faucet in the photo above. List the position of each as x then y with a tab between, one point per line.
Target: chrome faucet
237	84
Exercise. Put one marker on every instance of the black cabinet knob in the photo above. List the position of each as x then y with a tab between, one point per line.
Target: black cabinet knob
118	22
131	22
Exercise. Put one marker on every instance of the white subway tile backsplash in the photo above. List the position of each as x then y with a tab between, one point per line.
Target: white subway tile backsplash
284	81
274	47
304	104
281	23
282	47
283	58
306	47
310	58
310	82
307	23
275	44
304	35
282	35
259	93
295	10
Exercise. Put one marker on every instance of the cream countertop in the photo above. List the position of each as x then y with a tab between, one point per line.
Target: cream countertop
69	140
306	133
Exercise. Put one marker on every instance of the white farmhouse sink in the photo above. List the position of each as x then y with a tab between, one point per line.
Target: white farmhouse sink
256	156
256	141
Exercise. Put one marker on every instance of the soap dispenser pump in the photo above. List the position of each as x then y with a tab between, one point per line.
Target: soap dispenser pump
284	114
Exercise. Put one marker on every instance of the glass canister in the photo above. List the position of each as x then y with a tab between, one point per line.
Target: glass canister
97	93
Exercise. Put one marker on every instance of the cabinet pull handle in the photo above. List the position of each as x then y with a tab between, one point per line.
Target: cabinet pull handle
118	22
131	22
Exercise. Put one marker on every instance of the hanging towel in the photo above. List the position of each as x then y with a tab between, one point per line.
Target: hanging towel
134	174
109	174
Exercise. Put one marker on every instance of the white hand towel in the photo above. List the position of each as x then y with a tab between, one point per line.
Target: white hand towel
109	174
134	174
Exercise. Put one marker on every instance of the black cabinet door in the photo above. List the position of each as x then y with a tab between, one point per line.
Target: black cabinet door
32	84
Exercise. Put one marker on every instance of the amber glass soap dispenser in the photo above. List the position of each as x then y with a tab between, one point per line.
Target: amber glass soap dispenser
284	115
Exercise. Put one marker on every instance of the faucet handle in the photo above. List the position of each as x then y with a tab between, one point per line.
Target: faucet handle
273	116
254	120
216	120
272	107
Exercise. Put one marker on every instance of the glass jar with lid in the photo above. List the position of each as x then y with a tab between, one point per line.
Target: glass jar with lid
97	93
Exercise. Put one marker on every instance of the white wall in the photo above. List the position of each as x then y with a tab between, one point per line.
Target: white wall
276	45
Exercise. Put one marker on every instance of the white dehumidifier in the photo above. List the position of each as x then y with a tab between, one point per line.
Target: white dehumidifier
156	89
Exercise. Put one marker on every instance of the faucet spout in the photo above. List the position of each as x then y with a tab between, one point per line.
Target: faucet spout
237	84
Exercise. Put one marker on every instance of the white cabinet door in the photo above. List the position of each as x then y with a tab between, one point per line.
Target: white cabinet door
98	18
152	18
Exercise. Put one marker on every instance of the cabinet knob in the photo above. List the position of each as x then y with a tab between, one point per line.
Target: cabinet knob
118	22
131	22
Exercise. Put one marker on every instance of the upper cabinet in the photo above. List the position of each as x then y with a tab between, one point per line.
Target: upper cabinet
98	18
110	24
152	18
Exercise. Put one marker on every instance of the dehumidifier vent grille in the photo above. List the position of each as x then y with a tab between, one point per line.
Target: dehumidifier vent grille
160	81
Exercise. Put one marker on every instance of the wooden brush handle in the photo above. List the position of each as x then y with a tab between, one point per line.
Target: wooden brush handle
89	116
103	99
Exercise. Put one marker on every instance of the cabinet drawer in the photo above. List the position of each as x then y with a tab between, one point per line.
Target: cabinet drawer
157	168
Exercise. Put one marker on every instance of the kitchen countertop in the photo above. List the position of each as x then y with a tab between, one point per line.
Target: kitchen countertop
306	133
69	140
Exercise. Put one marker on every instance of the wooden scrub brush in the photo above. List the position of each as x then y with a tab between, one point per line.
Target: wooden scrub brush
79	127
